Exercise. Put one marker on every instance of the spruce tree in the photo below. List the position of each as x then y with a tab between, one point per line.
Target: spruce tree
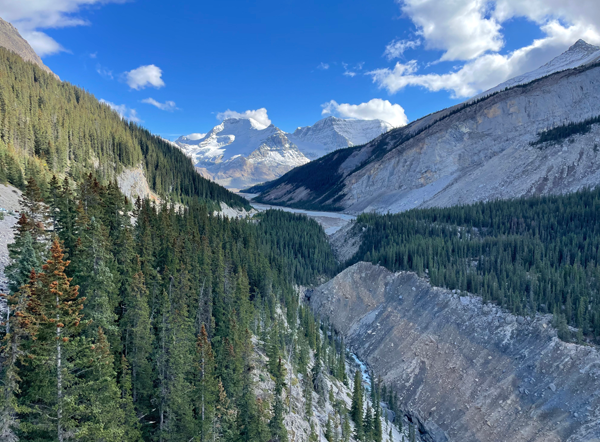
276	425
19	327
356	410
103	415
206	386
138	338
50	383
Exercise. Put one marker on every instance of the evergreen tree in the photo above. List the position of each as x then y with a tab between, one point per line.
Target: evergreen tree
329	430
356	410
138	339
26	259
276	425
206	386
51	385
102	415
308	392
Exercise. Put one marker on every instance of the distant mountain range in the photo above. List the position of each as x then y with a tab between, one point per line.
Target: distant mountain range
535	134
241	152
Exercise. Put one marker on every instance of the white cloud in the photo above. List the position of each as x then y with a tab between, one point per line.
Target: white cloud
30	16
461	28
144	76
195	136
323	66
169	106
124	111
258	115
396	48
104	72
488	70
42	44
348	73
470	30
375	109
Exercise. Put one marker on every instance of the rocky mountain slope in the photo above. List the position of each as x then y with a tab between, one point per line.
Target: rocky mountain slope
333	133
12	40
242	152
476	151
464	370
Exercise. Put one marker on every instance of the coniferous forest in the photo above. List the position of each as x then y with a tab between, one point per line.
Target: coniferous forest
51	127
528	255
135	322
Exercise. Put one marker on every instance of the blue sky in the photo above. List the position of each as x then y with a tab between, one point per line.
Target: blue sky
197	59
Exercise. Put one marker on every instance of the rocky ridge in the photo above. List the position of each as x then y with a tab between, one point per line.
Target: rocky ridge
477	151
12	40
465	370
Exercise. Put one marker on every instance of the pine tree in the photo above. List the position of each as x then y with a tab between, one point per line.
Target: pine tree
138	338
51	386
313	436
102	415
132	424
368	423
329	430
356	410
377	429
96	282
18	329
206	386
25	259
35	214
276	425
308	392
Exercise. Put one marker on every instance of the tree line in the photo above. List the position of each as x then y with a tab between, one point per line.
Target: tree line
538	254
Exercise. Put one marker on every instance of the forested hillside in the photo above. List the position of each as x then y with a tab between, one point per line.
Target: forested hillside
51	127
528	255
143	331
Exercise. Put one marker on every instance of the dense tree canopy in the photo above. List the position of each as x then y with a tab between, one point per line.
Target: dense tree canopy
529	255
48	126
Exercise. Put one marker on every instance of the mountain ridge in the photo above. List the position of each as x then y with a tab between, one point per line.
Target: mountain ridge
241	152
11	39
475	151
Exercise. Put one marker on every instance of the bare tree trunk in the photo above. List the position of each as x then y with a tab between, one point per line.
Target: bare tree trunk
59	392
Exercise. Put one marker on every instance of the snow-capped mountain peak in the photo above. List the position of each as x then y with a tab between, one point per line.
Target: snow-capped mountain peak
332	133
241	152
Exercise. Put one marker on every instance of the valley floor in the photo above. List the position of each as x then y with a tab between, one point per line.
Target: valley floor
331	221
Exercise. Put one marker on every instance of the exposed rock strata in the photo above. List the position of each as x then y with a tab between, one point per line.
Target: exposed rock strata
458	156
467	371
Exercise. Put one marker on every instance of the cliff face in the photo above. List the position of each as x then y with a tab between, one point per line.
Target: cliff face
462	155
466	371
12	40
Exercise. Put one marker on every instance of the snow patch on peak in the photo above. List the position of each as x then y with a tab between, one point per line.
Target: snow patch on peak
332	133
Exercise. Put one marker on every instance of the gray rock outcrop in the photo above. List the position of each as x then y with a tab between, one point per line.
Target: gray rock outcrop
465	370
12	40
